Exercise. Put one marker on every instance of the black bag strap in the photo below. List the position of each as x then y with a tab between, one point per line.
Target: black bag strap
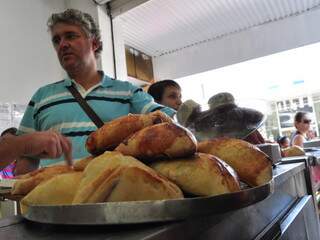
85	106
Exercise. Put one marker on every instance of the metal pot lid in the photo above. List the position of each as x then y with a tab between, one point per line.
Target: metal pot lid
226	120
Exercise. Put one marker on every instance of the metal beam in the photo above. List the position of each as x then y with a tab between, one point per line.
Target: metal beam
119	7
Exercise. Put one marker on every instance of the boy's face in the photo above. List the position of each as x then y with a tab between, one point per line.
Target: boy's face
286	143
171	97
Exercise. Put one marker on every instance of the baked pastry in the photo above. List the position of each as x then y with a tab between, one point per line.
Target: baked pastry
29	181
59	190
252	165
100	168
111	134
114	177
165	140
202	174
293	151
134	184
81	164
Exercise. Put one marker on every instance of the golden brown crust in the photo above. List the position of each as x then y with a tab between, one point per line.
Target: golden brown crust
112	176
165	140
111	134
293	151
159	117
202	174
58	190
252	165
137	184
99	169
32	179
81	164
106	184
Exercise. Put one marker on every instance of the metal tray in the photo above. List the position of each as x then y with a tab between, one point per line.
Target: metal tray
147	211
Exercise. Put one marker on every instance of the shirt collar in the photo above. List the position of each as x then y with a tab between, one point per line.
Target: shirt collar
105	82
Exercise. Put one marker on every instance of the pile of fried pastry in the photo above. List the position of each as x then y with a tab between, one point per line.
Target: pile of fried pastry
146	157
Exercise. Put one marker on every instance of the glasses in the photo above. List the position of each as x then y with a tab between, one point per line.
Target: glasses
306	121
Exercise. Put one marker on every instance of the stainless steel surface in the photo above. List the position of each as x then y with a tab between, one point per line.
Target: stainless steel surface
296	159
272	150
257	221
312	171
301	222
312	143
147	211
246	223
283	172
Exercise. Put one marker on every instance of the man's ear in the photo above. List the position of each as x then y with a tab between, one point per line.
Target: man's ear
95	44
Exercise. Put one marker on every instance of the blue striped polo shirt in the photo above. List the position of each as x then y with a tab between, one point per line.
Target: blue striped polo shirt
53	107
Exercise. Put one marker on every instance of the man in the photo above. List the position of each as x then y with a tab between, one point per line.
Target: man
76	40
47	144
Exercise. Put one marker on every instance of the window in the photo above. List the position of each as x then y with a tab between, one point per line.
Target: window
278	85
139	65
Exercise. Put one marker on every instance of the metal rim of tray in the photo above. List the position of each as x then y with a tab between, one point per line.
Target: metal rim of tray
147	211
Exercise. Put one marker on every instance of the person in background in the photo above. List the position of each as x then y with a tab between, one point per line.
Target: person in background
311	134
77	41
283	142
8	171
302	123
167	93
48	144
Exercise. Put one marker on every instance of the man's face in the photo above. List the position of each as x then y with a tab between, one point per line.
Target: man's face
74	48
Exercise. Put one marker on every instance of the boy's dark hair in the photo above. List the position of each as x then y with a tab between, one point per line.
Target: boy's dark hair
11	130
282	139
156	89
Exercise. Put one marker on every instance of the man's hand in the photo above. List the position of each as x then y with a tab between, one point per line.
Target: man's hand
48	144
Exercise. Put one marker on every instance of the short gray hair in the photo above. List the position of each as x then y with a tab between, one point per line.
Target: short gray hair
81	19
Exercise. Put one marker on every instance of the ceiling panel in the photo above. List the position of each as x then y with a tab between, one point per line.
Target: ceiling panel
159	27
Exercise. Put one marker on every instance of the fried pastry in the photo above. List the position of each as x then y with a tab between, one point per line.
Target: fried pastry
114	177
134	184
202	174
99	169
111	134
30	180
81	164
165	140
252	165
293	151
59	190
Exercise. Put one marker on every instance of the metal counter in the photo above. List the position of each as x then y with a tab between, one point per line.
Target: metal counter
274	216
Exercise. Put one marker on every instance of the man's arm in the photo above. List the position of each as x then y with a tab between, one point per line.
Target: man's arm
28	125
48	144
7	151
25	165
